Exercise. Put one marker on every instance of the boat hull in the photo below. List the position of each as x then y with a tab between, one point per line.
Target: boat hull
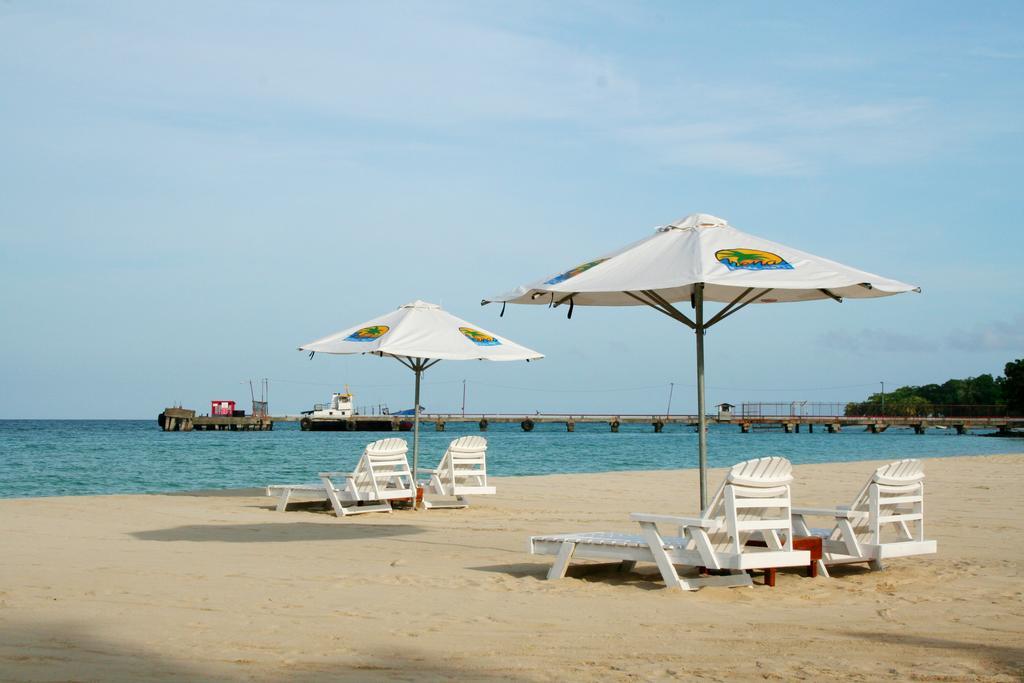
357	424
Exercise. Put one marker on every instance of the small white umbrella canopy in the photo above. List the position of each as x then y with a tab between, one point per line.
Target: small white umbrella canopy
420	335
696	259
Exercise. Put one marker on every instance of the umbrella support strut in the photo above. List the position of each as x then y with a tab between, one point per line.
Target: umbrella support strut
660	304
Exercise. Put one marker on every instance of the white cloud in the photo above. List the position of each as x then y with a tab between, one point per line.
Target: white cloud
774	131
999	335
993	53
424	68
873	340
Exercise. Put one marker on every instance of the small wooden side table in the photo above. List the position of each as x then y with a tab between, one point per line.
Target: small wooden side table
811	543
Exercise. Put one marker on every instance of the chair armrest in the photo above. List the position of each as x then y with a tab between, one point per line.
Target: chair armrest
838	513
424	470
334	474
678	521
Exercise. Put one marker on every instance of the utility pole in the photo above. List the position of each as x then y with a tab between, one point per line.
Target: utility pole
883	398
668	410
463	398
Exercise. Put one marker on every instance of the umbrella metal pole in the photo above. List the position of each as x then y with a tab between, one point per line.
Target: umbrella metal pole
418	368
702	437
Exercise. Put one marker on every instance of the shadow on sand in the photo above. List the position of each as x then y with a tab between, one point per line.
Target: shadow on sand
609	573
69	651
839	571
1011	659
283	532
646	577
66	651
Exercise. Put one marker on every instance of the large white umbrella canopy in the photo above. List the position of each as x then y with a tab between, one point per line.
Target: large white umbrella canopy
696	259
420	335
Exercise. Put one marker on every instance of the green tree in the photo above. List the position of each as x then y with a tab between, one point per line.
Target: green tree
902	402
983	390
1012	386
932	393
986	390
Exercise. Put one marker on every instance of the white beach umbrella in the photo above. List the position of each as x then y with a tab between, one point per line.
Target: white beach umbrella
420	335
702	258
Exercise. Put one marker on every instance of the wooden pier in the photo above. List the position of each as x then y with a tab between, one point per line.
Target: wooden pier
185	420
789	424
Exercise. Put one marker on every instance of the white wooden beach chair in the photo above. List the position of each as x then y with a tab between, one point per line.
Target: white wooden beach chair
462	472
885	520
752	503
382	475
284	493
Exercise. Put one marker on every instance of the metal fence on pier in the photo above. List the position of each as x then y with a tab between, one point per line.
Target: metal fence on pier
798	409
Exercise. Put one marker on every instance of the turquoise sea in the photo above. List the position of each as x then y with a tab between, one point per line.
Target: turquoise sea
80	457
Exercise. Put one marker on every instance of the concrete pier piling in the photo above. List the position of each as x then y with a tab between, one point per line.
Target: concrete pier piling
185	420
790	424
176	420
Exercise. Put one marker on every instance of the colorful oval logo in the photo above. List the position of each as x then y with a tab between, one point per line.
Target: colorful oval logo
751	259
479	338
366	334
575	271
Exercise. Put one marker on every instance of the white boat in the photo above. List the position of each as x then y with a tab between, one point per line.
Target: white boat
340	415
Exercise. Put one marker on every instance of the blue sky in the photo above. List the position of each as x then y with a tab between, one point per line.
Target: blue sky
191	190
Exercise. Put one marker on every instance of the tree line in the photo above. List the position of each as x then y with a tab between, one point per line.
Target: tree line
972	396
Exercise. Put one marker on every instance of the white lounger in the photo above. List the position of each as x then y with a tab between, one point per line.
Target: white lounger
752	503
382	475
878	523
284	493
462	472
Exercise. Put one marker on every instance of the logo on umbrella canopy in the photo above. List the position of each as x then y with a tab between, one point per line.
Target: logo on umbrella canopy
751	259
575	271
479	338
368	333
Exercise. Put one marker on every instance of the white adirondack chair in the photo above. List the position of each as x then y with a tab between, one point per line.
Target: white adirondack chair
885	520
382	475
462	472
752	503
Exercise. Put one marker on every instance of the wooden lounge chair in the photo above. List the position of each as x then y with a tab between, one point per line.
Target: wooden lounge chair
885	520
752	502
381	476
462	472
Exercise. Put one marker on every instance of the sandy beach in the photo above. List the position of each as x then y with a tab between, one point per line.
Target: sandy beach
222	587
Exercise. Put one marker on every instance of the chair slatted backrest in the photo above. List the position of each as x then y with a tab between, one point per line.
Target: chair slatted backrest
892	501
753	499
384	466
464	463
